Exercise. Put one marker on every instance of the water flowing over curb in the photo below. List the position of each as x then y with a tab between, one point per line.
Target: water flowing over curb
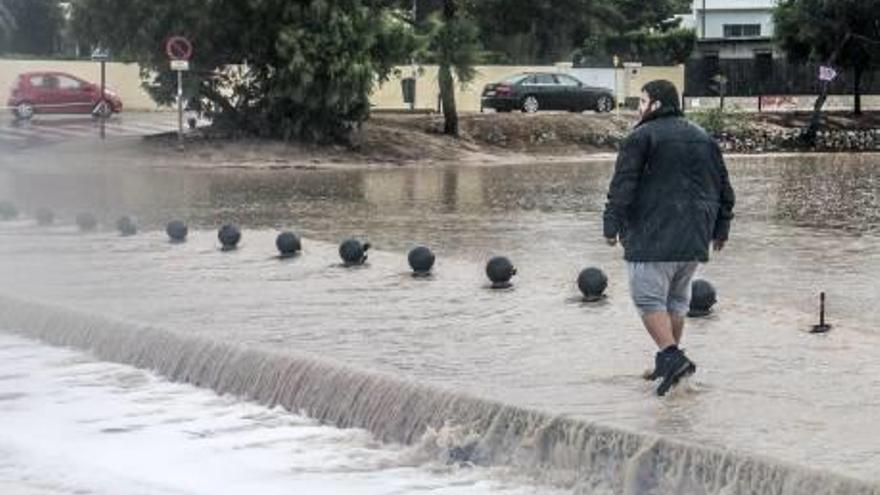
589	458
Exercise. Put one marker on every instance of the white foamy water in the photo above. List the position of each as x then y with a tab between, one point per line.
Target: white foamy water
72	425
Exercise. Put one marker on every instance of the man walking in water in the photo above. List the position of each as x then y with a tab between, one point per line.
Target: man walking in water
669	198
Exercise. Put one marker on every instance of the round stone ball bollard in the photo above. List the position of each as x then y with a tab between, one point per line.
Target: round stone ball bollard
126	226
45	217
421	260
288	244
177	230
8	211
592	282
229	236
703	297
86	222
500	270
353	252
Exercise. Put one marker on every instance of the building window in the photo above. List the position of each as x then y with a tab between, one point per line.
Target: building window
742	30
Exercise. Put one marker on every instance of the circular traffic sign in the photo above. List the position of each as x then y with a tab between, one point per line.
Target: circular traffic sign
178	48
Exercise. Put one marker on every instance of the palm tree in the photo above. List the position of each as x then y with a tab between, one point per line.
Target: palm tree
7	23
453	44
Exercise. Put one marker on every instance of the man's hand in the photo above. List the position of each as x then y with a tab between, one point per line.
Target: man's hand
718	244
611	241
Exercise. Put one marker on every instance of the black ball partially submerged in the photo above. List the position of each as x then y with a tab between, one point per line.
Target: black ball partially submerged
288	244
8	211
500	270
45	216
86	222
229	236
421	260
126	226
592	282
177	230
703	297
353	252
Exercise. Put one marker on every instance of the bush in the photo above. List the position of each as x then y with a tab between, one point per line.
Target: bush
719	121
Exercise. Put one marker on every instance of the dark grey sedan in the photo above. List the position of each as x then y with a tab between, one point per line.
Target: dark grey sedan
545	91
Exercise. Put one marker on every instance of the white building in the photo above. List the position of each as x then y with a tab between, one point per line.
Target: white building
733	29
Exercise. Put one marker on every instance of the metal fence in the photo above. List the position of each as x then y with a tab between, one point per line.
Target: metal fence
763	76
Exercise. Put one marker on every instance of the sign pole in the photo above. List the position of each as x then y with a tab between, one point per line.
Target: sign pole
100	111
179	51
103	101
180	110
103	80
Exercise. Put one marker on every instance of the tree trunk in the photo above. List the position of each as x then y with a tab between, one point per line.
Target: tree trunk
809	135
447	84
447	97
857	89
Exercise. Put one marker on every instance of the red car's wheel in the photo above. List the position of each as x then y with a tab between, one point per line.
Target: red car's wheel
24	110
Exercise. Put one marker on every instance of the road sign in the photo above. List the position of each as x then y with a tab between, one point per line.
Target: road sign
100	54
178	48
180	65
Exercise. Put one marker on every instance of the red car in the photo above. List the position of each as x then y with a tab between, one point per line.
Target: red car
57	92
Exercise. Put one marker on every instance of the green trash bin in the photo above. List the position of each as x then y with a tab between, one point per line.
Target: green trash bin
408	86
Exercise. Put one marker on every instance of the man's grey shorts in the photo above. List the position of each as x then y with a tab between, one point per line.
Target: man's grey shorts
661	285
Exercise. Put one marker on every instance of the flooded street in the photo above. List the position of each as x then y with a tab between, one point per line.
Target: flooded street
765	387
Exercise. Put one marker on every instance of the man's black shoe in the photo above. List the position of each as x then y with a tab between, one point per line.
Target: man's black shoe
672	366
653	374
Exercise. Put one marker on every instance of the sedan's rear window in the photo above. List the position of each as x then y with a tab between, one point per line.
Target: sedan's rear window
515	79
544	79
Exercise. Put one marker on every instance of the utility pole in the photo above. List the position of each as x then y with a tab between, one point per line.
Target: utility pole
703	22
412	105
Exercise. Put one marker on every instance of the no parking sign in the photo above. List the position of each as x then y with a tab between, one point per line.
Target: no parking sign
178	48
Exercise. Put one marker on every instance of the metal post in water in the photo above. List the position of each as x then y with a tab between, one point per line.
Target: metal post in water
822	327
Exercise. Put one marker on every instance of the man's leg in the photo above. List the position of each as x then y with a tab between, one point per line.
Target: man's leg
680	297
661	328
649	288
677	326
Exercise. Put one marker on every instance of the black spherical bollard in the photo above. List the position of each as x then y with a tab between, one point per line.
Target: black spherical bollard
500	270
703	297
353	252
421	260
288	244
229	236
126	226
45	216
86	222
8	211
177	230
592	282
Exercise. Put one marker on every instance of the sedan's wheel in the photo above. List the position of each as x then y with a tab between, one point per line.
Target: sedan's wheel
24	111
530	104
604	104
